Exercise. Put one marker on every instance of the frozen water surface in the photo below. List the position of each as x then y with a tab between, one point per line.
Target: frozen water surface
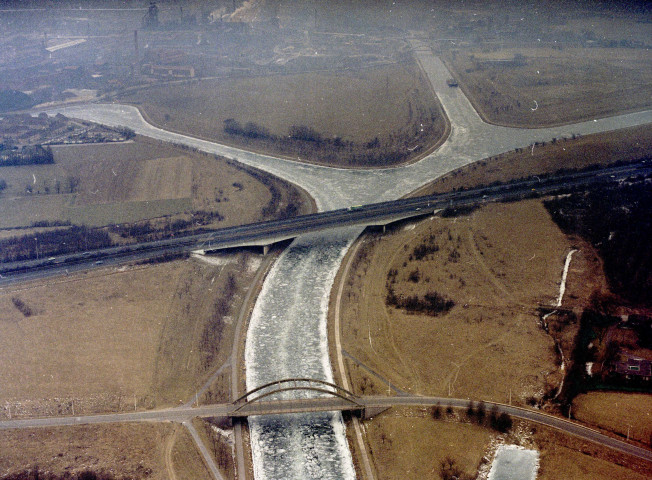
300	446
287	336
514	463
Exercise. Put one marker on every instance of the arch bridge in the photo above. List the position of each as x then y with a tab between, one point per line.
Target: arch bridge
332	398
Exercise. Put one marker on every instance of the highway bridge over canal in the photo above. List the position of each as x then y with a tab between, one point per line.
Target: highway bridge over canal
265	234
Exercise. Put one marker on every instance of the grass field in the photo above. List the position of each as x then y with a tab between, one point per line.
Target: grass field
618	412
564	456
488	346
153	451
343	104
105	340
92	339
135	181
409	443
553	86
489	343
336	104
568	463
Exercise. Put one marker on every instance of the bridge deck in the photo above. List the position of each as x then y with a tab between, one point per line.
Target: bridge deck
273	407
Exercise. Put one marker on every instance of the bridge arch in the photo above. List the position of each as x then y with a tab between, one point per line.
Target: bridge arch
314	385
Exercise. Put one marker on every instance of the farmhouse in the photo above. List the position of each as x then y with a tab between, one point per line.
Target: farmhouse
633	367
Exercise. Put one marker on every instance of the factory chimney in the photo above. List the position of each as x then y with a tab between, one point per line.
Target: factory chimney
136	59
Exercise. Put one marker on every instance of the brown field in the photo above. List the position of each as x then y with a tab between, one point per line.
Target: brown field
343	104
105	340
510	260
617	412
568	85
188	350
133	181
154	451
490	343
565	456
409	443
598	149
562	462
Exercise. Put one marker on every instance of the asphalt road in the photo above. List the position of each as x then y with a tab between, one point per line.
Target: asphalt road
186	413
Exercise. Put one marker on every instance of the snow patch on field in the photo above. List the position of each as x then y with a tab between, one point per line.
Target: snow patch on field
228	434
253	264
562	287
513	462
214	260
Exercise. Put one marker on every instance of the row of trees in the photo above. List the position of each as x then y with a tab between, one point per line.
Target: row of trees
477	413
22	307
36	473
75	238
70	184
272	209
146	230
306	141
54	242
212	334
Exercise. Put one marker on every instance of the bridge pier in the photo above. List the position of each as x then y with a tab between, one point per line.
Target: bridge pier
265	250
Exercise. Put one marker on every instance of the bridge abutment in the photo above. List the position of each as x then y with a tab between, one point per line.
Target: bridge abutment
368	413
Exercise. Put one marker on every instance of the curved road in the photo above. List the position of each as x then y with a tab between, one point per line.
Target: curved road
287	334
186	413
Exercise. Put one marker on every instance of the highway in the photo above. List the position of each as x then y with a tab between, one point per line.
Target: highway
266	233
